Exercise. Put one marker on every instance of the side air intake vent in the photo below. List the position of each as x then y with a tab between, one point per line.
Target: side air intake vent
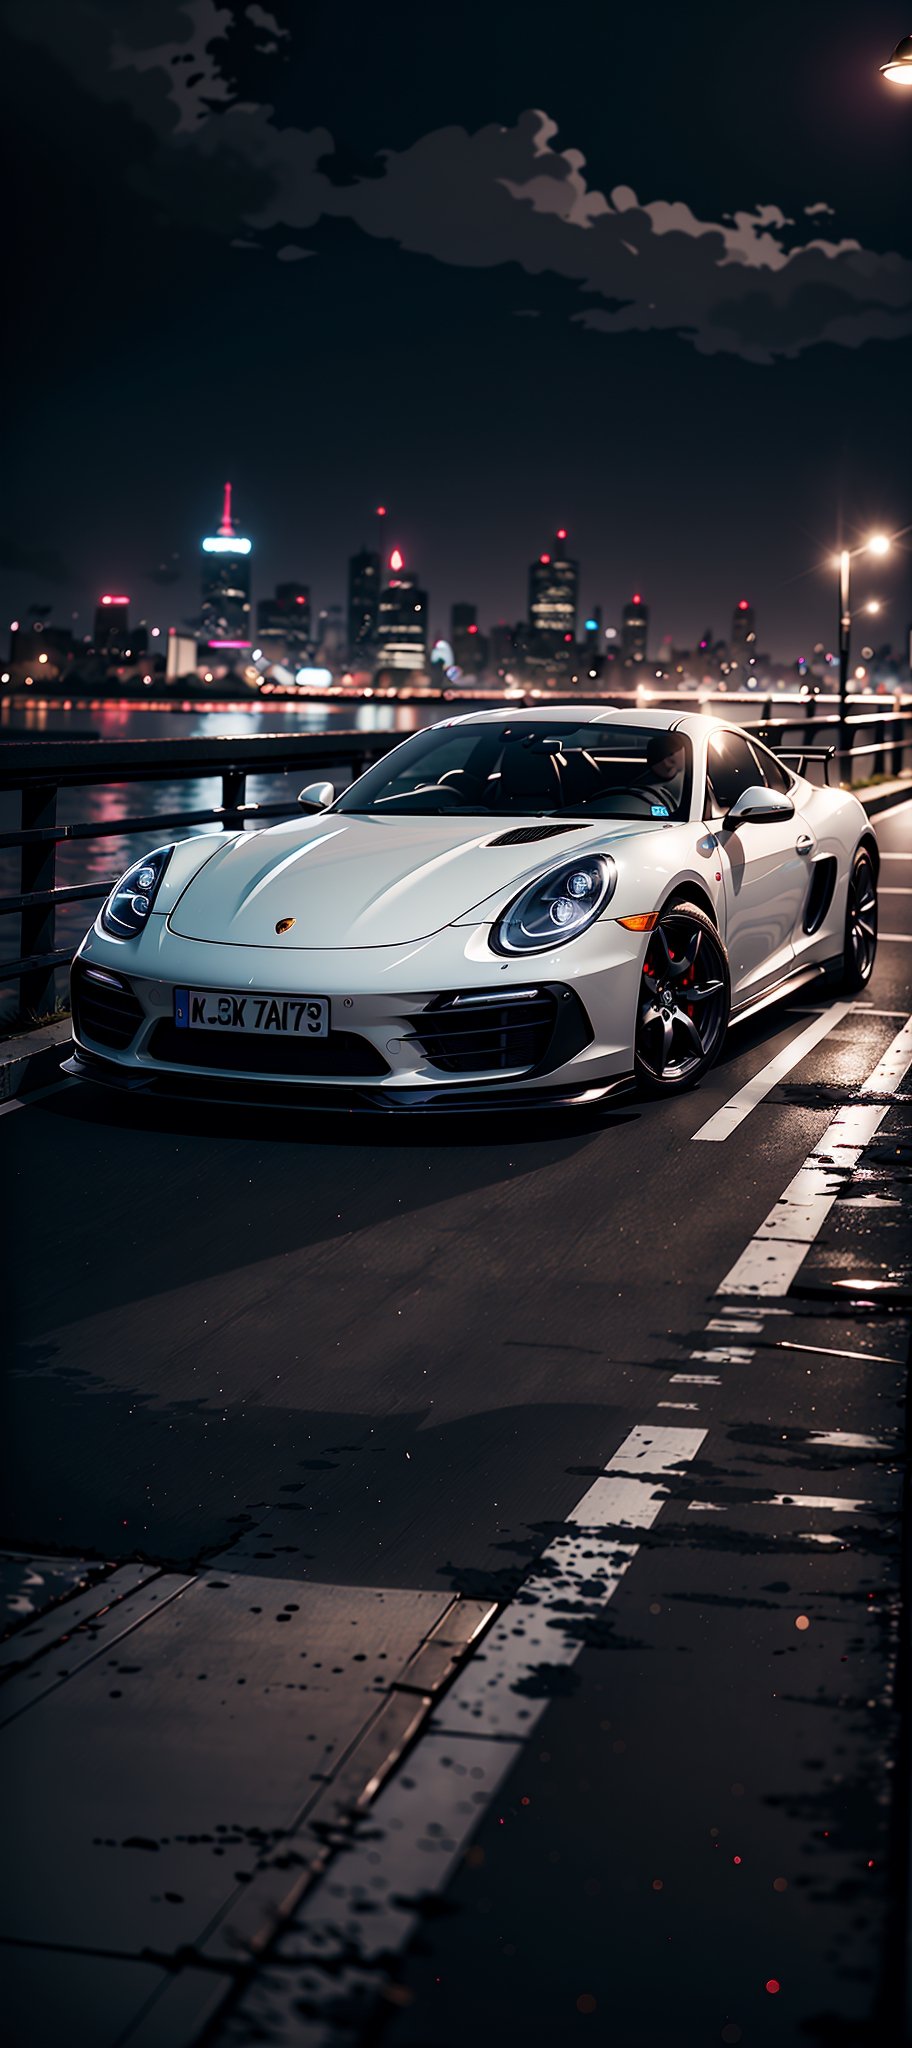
823	882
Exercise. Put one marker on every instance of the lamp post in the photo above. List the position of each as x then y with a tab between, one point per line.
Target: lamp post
878	544
899	69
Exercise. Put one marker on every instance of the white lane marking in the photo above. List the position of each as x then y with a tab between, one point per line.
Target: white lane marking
779	1248
738	1326
726	1354
704	1507
35	1095
893	891
367	1904
870	1011
695	1379
827	1351
850	1440
727	1119
896	856
678	1404
765	1312
894	938
812	1500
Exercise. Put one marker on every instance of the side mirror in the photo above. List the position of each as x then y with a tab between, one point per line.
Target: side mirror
758	806
317	796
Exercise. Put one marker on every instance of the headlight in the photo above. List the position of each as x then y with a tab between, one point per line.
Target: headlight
557	907
126	911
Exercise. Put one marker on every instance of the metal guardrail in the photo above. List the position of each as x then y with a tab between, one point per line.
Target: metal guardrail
38	770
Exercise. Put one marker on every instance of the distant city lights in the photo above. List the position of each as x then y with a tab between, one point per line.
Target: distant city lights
226	544
115	600
397	561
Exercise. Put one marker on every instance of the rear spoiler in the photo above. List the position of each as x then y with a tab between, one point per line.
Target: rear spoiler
798	756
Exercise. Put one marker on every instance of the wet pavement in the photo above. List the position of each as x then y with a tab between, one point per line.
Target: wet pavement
619	1545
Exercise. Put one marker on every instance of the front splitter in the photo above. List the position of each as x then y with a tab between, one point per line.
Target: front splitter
204	1088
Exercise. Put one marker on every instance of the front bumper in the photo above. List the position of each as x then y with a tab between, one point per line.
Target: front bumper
393	1012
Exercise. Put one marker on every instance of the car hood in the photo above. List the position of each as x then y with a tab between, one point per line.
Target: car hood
364	881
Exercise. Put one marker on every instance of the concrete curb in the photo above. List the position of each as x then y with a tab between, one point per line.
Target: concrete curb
33	1060
886	795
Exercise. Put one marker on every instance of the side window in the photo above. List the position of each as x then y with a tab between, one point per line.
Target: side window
771	770
730	768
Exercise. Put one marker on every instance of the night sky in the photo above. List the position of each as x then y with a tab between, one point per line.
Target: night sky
403	253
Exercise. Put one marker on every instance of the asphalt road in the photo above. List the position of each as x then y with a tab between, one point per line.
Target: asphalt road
387	1359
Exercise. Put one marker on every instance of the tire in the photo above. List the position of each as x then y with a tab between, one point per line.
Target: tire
860	941
678	1038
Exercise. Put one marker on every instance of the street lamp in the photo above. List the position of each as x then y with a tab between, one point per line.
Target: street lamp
899	69
876	544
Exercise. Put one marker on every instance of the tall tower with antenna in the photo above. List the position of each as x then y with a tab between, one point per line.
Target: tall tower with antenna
225	584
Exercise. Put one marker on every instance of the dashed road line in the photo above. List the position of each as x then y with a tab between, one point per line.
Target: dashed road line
777	1250
733	1113
827	1502
851	1440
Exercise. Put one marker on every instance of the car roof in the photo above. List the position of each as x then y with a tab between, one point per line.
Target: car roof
666	719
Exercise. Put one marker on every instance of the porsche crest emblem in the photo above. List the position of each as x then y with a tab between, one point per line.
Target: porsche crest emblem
284	925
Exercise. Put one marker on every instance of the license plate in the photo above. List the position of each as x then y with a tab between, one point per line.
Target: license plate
221	1009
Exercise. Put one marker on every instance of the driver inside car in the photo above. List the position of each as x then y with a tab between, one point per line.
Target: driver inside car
662	779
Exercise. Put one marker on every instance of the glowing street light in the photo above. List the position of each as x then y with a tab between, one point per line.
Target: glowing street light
899	69
876	544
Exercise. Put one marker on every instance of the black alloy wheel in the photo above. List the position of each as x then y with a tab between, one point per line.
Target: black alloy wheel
685	997
860	948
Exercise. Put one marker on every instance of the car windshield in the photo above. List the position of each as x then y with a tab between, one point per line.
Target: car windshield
526	769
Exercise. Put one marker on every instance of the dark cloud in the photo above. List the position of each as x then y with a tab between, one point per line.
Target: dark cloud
751	284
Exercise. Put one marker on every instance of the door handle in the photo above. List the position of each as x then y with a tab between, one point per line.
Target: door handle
803	843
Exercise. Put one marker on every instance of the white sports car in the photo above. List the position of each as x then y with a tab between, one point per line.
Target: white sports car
508	908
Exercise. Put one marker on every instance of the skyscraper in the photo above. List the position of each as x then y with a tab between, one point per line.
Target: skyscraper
402	625
363	602
283	624
225	584
112	625
553	596
744	627
634	629
470	648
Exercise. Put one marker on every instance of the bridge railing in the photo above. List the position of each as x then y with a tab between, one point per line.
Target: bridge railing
38	770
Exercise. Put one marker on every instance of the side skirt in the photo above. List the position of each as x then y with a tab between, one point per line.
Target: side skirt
789	983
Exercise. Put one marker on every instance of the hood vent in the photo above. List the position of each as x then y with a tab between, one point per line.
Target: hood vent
524	834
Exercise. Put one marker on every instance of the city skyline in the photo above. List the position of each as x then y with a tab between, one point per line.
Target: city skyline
232	592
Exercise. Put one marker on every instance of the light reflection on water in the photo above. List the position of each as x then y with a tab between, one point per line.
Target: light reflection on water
90	860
